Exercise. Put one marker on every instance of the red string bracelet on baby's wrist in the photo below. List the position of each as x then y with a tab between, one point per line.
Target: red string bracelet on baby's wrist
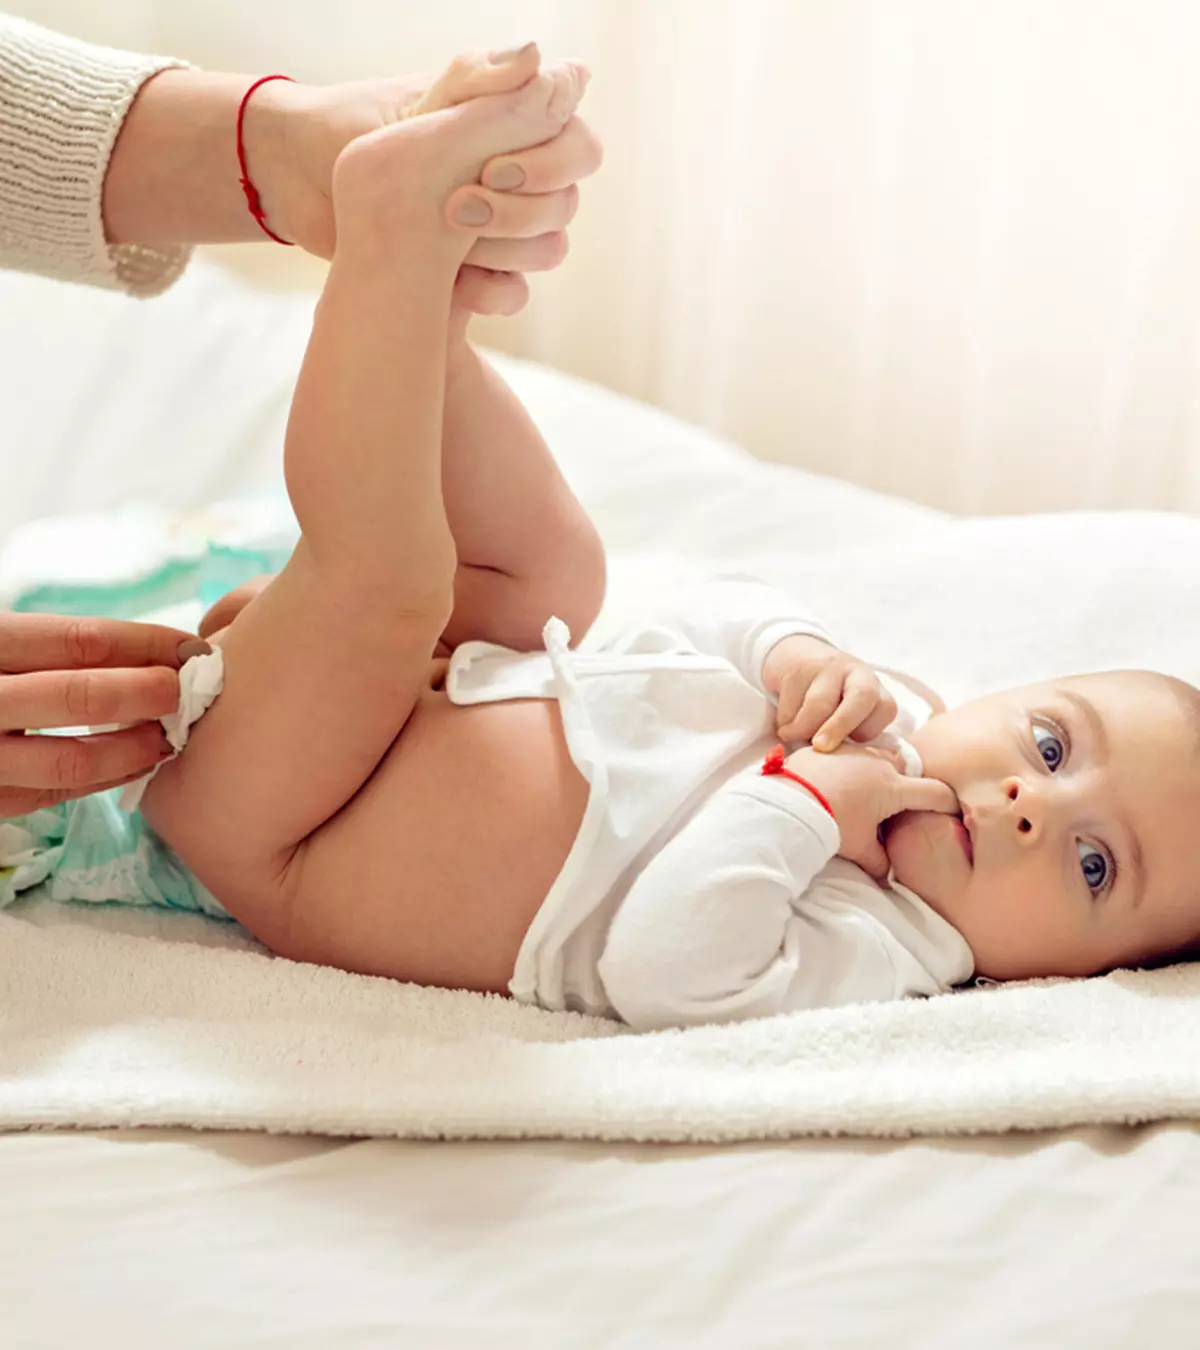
774	764
252	198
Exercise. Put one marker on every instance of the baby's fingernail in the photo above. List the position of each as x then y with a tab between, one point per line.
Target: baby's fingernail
821	741
506	177
190	647
473	211
498	58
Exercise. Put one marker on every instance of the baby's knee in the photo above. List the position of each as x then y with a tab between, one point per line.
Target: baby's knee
591	581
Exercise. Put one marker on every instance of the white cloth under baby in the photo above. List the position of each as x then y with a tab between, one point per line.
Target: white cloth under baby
698	890
201	679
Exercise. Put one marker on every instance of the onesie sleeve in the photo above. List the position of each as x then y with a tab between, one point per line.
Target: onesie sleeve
725	922
736	616
62	104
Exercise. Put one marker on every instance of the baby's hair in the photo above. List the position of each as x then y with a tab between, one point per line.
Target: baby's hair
1188	697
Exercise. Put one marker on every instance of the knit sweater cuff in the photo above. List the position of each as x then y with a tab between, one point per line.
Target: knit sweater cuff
62	103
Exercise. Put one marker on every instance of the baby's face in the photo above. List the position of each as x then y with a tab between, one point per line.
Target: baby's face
1081	807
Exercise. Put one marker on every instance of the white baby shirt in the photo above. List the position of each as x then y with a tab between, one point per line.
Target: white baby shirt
698	890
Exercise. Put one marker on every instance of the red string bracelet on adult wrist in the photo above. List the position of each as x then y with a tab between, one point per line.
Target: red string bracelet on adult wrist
774	764
252	198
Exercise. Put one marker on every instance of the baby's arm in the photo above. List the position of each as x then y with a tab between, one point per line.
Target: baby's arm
709	931
735	616
725	922
783	651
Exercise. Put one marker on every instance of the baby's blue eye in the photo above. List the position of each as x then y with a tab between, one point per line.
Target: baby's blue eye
1094	865
1050	747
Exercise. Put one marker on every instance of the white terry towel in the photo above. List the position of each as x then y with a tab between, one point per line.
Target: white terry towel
107	1029
129	1017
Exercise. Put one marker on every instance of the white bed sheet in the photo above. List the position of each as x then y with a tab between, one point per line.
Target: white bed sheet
246	1242
171	1238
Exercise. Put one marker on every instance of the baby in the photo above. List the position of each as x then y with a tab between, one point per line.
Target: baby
607	830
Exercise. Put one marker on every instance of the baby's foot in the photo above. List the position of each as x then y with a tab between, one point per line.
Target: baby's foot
391	187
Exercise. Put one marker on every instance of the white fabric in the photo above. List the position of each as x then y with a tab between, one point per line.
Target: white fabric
148	1238
698	891
62	104
201	680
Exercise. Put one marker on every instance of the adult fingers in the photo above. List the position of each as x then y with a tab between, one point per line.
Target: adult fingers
823	696
504	215
68	763
542	253
31	642
860	697
23	801
72	698
926	794
573	154
480	291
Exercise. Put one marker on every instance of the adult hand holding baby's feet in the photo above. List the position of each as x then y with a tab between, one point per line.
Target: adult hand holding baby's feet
865	787
294	134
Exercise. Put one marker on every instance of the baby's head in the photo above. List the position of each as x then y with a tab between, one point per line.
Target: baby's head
1081	807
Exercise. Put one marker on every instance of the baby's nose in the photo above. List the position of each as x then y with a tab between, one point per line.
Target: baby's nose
1024	808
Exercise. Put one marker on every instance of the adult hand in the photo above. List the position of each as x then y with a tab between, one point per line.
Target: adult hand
294	134
65	672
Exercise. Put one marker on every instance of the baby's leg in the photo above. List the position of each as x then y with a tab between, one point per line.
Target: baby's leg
526	547
324	668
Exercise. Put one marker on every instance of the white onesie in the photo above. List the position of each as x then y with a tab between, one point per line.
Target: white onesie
698	890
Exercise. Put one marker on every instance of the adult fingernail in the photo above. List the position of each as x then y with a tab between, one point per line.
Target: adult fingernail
506	177
498	58
190	647
473	211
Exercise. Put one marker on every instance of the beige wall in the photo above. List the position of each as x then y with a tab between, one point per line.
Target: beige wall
946	249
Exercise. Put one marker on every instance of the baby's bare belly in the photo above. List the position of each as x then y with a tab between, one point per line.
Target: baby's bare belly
459	835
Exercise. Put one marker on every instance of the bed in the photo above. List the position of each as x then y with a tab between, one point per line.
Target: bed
181	1238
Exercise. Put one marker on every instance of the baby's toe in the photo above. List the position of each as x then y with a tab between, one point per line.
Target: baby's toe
556	91
473	75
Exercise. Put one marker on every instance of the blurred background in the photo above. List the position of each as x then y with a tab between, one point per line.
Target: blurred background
946	250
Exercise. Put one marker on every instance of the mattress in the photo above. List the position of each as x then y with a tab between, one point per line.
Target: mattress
173	1238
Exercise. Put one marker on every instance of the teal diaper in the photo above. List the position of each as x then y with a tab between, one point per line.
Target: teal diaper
124	565
90	850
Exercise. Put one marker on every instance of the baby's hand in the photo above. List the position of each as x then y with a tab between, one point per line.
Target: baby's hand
865	787
825	695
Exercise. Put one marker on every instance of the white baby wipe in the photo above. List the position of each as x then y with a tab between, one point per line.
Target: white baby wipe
200	681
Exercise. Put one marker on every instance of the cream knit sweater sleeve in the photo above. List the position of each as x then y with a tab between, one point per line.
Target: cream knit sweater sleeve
62	103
